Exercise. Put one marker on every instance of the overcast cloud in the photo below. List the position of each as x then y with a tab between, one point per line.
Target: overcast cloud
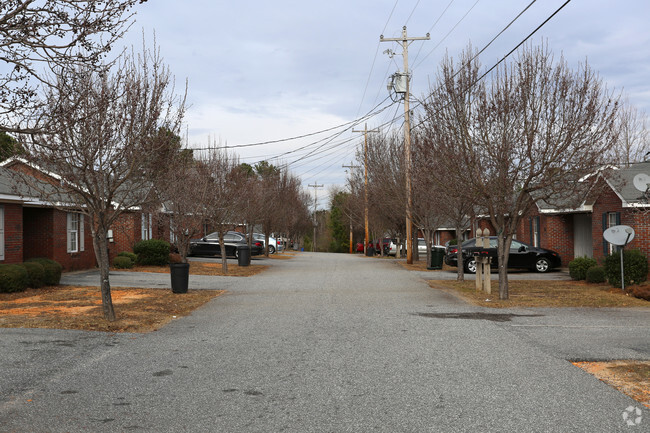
261	71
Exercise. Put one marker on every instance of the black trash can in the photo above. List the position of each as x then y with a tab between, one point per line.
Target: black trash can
244	255
437	257
180	273
370	251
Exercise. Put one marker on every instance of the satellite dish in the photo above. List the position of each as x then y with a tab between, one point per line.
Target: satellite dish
641	182
619	235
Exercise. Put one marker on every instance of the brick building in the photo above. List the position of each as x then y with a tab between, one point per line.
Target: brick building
31	227
577	232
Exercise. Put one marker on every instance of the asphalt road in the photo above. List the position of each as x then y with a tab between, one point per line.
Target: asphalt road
326	343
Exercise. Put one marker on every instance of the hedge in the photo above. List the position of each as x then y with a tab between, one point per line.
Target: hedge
596	274
13	278
52	269
132	256
121	262
635	267
578	267
152	252
35	273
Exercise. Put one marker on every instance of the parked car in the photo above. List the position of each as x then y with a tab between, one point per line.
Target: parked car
273	243
422	247
389	245
209	245
522	256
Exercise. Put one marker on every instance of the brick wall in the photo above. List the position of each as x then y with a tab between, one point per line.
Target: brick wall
46	235
606	202
555	233
13	215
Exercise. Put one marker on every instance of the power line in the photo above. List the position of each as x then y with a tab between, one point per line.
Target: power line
448	33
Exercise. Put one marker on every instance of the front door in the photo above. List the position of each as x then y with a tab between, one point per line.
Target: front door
582	239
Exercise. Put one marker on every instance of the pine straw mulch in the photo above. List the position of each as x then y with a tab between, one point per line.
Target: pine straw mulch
72	307
205	268
632	378
543	293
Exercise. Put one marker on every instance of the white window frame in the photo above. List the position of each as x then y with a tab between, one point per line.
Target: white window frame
611	222
146	232
75	232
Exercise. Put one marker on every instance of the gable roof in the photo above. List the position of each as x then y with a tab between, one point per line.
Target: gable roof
624	186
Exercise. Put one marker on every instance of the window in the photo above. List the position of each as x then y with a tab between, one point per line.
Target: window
75	231
610	219
2	232
146	227
534	231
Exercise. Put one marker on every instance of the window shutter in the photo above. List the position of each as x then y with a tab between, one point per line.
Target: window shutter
81	232
2	232
618	218
604	228
530	224
68	229
538	235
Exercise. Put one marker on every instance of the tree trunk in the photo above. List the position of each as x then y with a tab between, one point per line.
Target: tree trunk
460	268
100	245
503	253
222	249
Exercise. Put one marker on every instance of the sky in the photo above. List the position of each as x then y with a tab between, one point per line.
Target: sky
289	81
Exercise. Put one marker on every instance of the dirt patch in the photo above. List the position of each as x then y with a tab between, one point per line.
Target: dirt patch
70	307
543	293
632	378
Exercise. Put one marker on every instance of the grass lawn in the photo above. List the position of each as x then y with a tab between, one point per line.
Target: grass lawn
543	293
137	309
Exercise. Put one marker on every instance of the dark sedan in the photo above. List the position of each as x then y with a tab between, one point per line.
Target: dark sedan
209	245
522	256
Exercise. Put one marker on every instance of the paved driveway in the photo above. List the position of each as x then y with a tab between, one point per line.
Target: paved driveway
326	343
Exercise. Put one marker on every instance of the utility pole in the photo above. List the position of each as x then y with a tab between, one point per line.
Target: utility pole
315	186
407	137
365	181
351	167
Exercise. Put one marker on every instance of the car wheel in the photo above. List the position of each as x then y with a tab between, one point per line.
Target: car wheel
236	253
470	266
542	265
271	249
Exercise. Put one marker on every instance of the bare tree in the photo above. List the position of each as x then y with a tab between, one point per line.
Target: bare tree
634	141
227	186
184	198
534	130
110	130
37	37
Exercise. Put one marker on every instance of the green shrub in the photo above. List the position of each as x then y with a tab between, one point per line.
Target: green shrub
122	262
35	274
13	278
578	267
132	256
52	269
635	267
152	252
596	274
